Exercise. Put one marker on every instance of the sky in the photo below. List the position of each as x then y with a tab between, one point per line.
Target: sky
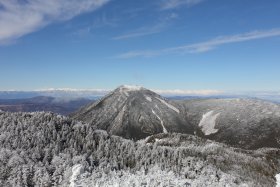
213	45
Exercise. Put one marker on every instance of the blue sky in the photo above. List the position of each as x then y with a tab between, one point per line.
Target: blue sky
161	44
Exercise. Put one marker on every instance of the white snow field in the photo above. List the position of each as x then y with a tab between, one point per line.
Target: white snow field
148	98
163	127
208	123
76	171
277	180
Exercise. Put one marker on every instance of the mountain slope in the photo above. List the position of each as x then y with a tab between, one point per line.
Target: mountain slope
245	123
134	112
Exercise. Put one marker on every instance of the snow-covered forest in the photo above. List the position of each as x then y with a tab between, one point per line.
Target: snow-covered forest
45	149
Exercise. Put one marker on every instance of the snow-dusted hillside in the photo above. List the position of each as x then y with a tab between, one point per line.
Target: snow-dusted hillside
44	149
246	123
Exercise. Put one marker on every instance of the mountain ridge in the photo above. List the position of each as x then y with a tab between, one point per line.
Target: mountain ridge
135	112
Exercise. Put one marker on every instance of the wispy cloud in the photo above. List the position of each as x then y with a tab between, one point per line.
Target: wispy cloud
18	18
143	31
99	22
148	30
171	4
204	46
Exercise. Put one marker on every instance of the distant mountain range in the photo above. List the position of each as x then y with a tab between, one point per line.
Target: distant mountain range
134	112
42	103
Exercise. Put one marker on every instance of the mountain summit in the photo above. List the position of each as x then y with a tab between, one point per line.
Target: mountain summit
134	112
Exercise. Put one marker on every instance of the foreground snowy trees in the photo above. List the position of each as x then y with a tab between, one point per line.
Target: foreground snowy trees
44	149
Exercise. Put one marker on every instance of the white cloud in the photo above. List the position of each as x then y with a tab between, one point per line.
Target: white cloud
171	4
204	46
18	18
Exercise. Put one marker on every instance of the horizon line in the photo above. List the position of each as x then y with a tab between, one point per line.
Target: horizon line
170	92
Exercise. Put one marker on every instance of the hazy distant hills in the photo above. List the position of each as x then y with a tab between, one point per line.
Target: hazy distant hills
42	103
98	93
57	93
135	113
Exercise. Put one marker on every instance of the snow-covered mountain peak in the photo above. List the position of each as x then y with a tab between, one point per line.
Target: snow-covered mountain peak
131	87
134	112
126	89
